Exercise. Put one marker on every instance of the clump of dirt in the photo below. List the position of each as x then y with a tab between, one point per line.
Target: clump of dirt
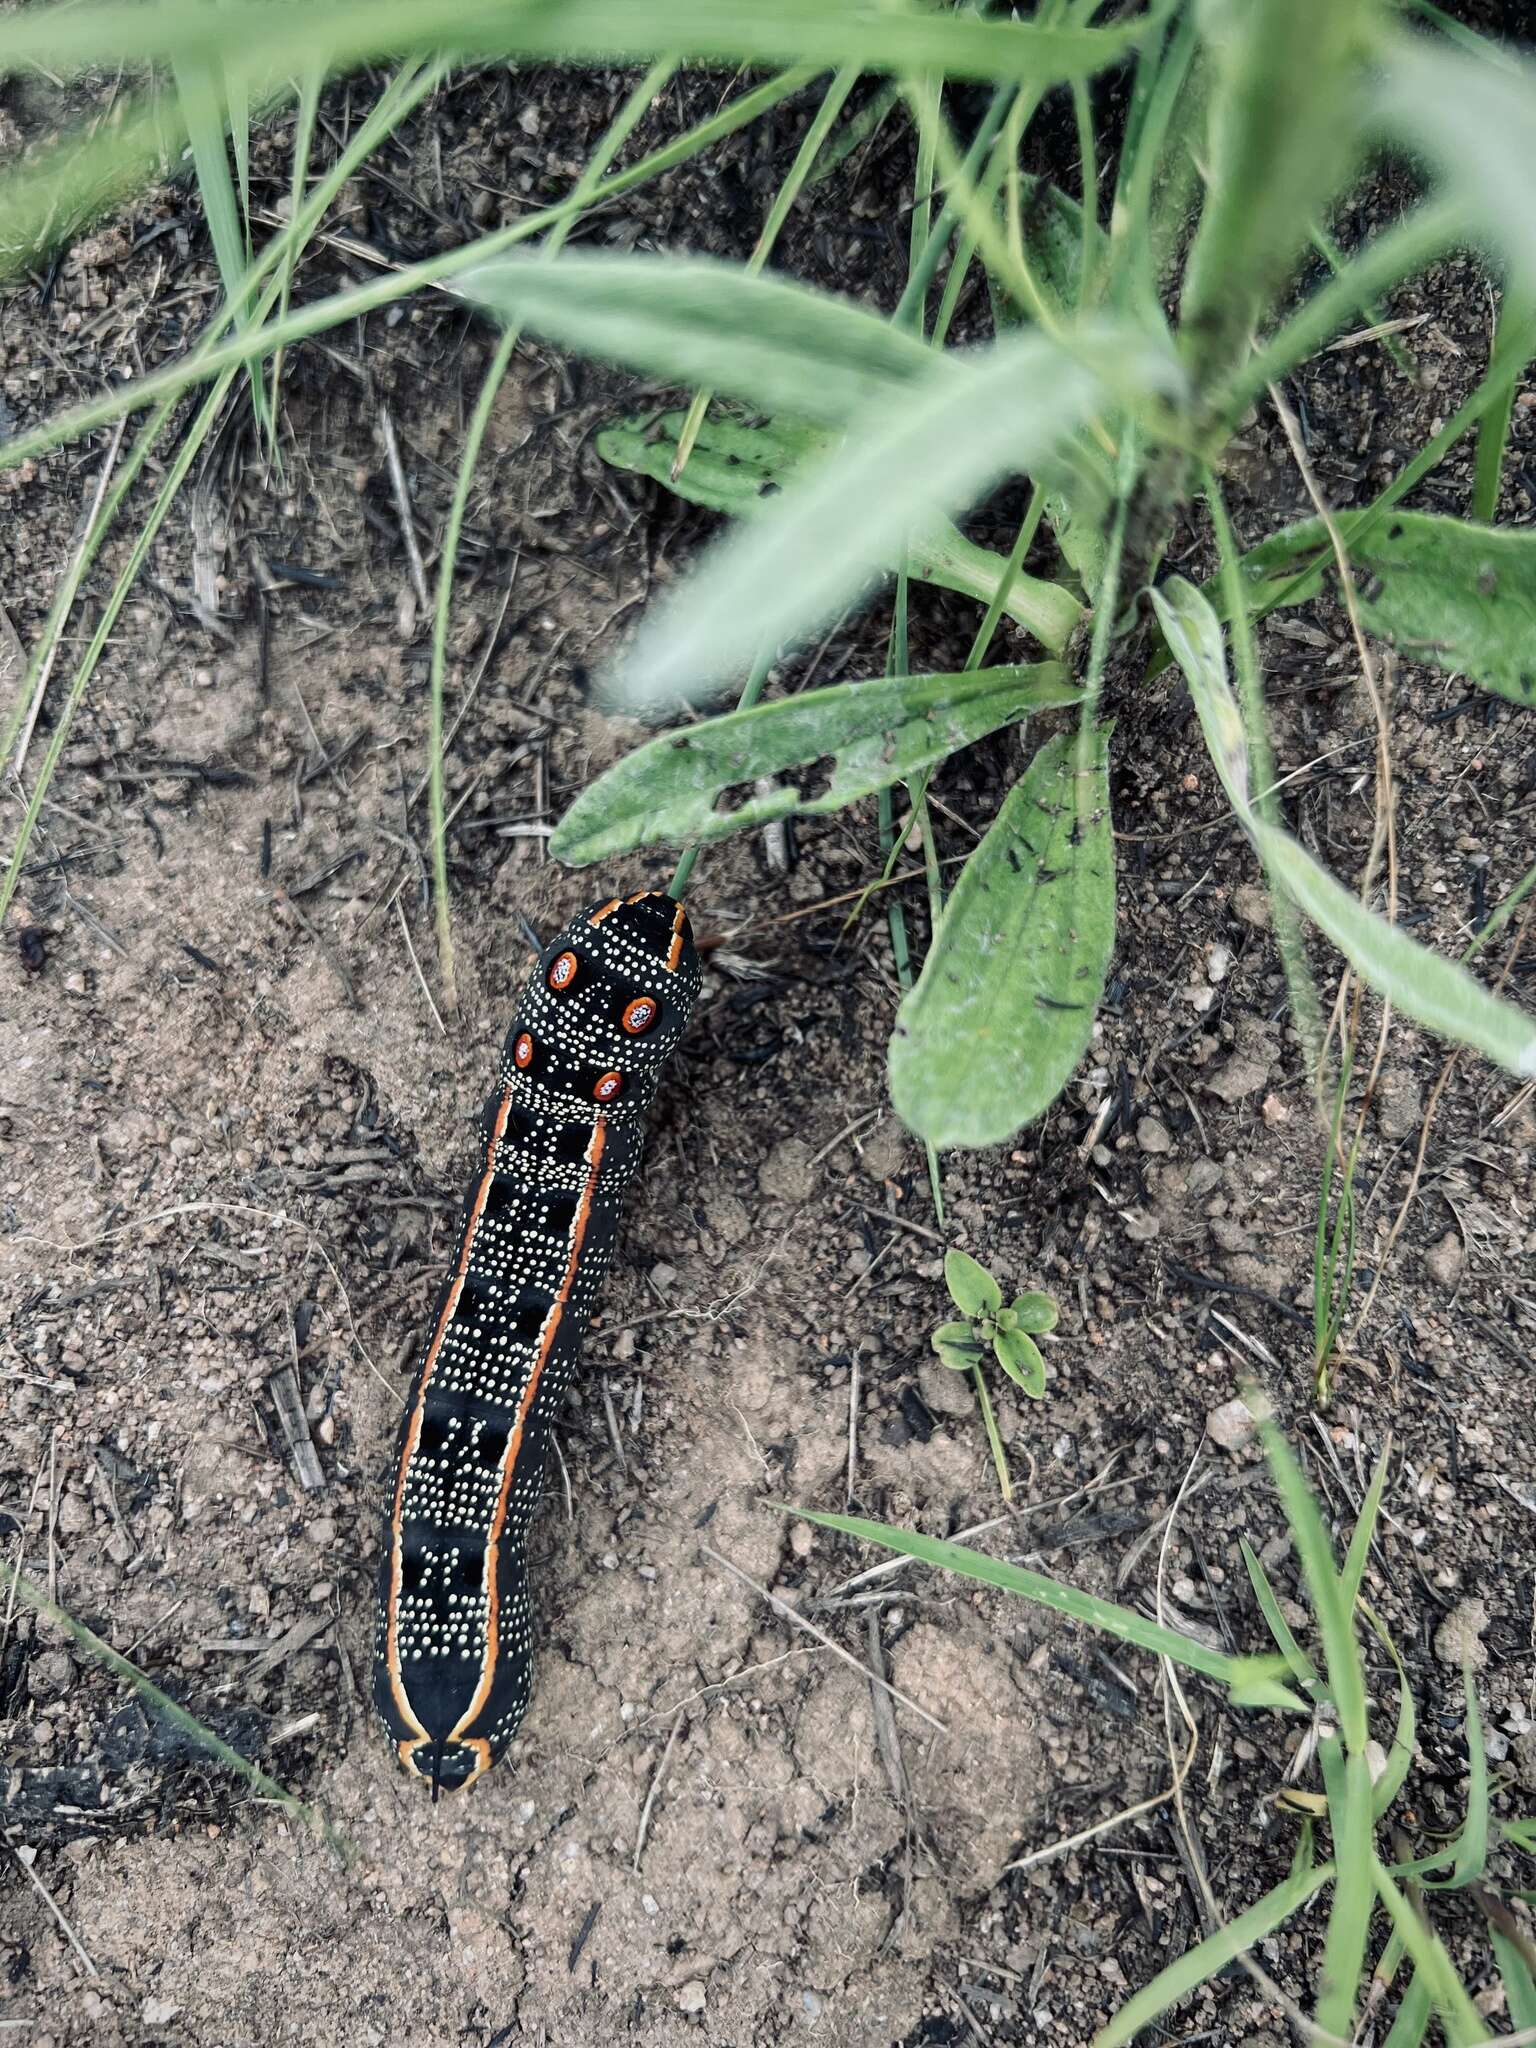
759	1796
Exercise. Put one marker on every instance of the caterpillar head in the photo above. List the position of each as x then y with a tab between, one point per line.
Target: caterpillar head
607	1006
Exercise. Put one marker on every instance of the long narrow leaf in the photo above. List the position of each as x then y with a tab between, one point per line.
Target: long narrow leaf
1348	1783
1365	1528
1432	990
1341	1652
349	32
872	733
1413	2016
691	319
1433	1964
1519	1986
949	437
1423	985
1303	1670
1202	1962
740	465
1242	1674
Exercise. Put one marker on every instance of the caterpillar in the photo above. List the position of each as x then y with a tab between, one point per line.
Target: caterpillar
562	1135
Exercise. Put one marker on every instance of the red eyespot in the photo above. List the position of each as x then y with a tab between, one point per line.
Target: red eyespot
640	1015
562	971
522	1050
608	1087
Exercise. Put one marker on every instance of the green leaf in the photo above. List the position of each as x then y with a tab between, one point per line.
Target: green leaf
739	465
1256	1682
1468	1854
874	733
1004	1007
1476	119
971	1287
1341	1652
695	320
1423	985
1037	1313
1019	1356
953	434
605	32
1348	1783
958	1345
1413	2016
1400	1756
1458	596
1521	1832
1432	990
1046	1592
1365	1528
1432	1961
1302	1669
1519	1988
1207	1958
1282	131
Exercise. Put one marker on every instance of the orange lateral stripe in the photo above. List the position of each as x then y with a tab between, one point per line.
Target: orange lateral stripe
675	950
515	1443
397	1548
607	911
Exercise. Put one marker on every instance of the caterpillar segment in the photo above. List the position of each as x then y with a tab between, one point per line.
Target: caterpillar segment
561	1140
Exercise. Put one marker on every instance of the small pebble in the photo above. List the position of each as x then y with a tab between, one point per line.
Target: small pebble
1457	1639
1231	1425
691	1997
1444	1261
1152	1135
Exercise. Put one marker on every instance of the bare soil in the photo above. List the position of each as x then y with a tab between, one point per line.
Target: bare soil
233	1132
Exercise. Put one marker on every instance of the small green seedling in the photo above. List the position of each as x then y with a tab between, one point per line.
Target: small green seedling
1010	1332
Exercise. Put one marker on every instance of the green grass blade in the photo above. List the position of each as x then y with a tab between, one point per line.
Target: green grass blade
810	148
1400	1756
172	1711
1468	1854
1365	1529
1493	428
1237	1673
1432	1963
321	315
1303	1670
1413	2016
1348	1783
201	91
1341	1652
1201	1963
1519	1985
611	142
823	33
945	440
1005	1004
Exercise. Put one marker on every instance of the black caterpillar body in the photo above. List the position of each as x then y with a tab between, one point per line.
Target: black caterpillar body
563	1135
